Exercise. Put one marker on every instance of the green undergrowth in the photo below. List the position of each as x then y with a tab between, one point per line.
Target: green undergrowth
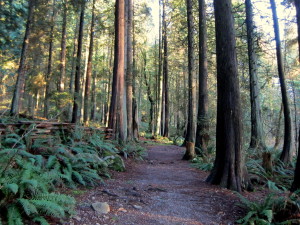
31	171
278	178
275	208
278	207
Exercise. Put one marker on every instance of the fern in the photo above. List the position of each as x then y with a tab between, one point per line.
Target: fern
40	220
27	206
14	216
257	213
49	208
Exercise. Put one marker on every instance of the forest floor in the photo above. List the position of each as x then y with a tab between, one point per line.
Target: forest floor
161	189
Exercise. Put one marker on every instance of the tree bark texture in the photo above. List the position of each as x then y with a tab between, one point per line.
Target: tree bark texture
202	136
286	154
165	74
118	122
19	88
297	5
77	100
89	70
159	79
227	171
129	95
135	122
191	127
257	134
296	183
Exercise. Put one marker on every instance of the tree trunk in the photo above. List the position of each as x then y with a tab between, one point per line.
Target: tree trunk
191	127
277	134
76	102
202	136
93	100
297	5
49	69
118	120
61	85
129	94
159	80
19	88
286	154
257	134
165	74
89	70
227	171
296	183
72	75
135	122
150	98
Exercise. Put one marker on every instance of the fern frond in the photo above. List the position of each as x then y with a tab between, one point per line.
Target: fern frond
78	178
27	206
14	216
49	208
40	220
12	188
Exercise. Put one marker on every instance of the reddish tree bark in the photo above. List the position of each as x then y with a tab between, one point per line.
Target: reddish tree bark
227	171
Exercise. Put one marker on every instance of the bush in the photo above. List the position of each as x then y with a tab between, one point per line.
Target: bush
29	174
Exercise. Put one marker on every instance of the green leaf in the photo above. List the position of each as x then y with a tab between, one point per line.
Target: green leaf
269	214
41	220
27	206
14	188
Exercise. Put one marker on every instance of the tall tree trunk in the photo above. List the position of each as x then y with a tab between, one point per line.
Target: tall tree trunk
19	88
257	134
49	69
202	136
135	122
297	5
129	94
61	85
160	79
227	171
191	127
93	100
117	118
77	100
296	183
165	74
150	97
277	133
286	154
72	75
89	70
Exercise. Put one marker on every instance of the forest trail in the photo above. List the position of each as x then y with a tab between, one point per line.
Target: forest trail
162	189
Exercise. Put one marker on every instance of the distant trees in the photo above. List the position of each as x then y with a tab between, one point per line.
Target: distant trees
191	126
165	71
228	165
286	152
129	70
257	133
19	87
86	110
77	97
202	135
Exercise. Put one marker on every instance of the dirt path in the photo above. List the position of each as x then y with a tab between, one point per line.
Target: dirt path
162	189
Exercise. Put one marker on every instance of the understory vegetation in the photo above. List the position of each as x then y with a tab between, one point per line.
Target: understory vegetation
267	173
33	170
